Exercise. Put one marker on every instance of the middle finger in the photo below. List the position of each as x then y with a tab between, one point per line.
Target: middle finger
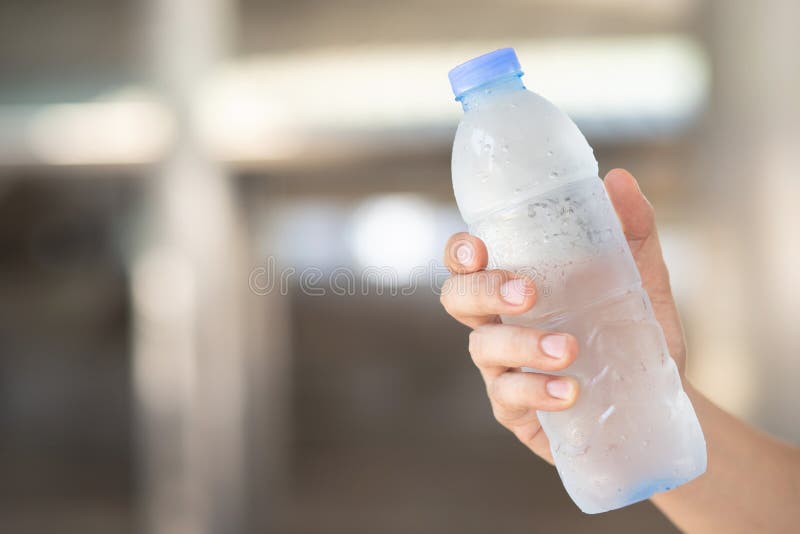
498	347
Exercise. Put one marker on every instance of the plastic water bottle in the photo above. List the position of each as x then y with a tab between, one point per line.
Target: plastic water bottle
527	184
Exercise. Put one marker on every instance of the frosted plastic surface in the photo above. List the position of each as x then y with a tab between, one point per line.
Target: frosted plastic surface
527	183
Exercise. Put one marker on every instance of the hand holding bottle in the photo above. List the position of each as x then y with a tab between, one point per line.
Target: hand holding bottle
499	350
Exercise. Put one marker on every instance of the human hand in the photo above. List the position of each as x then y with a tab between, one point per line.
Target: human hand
500	350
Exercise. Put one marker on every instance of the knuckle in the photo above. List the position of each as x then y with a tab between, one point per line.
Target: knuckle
521	340
475	342
650	210
500	414
650	215
507	416
503	392
495	391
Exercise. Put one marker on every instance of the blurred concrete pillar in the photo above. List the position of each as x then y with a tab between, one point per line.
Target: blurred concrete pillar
751	163
189	278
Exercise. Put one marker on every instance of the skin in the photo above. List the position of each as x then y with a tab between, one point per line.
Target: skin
753	481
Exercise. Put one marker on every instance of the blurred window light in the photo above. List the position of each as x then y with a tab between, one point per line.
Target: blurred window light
395	232
268	107
286	105
400	235
305	233
97	133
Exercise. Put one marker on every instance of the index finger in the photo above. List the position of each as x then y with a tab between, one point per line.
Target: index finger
465	254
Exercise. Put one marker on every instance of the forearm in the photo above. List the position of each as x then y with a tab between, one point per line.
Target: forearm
752	483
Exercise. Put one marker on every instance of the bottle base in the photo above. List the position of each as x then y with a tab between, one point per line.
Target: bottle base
641	493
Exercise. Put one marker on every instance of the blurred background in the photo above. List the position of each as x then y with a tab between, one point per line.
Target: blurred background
184	185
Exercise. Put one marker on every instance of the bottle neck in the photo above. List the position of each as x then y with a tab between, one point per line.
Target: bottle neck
506	84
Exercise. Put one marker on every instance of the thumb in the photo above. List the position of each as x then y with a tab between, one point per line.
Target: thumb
637	218
634	211
638	223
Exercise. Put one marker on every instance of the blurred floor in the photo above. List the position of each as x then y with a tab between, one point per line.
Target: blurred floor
393	433
66	447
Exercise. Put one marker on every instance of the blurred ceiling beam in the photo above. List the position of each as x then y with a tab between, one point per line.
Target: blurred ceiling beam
288	25
96	42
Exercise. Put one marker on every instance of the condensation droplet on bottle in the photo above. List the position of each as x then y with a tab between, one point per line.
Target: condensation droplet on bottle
549	152
645	443
504	148
487	147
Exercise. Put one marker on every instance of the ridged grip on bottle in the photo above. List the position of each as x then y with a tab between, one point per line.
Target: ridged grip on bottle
568	240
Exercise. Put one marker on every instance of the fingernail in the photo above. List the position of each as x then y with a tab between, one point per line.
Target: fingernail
560	389
554	345
464	253
514	291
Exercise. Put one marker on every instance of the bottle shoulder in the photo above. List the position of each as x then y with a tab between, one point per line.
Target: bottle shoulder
523	117
511	144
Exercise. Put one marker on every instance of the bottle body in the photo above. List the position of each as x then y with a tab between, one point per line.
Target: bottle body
527	184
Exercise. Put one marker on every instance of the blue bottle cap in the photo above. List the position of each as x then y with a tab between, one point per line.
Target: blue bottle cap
483	69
